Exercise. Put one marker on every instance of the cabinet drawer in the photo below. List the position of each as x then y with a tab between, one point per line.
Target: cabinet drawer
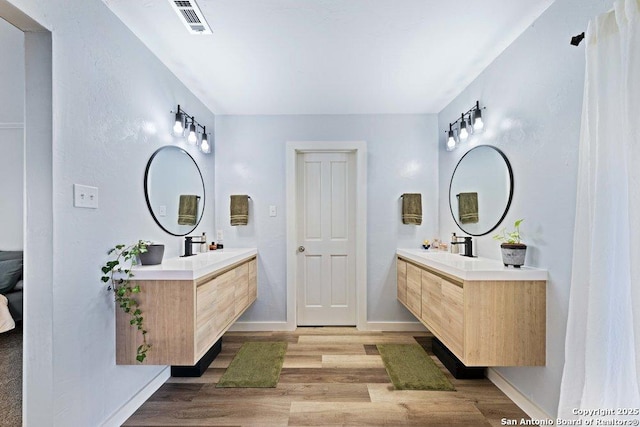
215	308
253	280
414	289
205	314
241	288
226	299
443	311
431	302
452	316
402	281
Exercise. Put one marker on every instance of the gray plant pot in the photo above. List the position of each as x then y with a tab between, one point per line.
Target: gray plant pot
153	256
513	254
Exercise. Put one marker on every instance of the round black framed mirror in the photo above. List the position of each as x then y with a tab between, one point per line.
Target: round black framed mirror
481	190
174	190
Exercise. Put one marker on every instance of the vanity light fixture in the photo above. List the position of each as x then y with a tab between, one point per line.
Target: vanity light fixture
468	123
463	128
478	124
182	118
178	127
192	138
451	141
205	145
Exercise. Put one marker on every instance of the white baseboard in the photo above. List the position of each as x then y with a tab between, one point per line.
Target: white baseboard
529	407
122	414
286	326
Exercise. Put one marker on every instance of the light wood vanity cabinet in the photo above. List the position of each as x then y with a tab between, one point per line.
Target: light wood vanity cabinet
402	281
442	307
483	323
184	318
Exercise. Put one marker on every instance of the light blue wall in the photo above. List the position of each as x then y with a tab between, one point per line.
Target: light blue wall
11	135
111	110
402	157
533	95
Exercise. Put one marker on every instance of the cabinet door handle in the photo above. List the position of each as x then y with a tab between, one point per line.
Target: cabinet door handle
301	249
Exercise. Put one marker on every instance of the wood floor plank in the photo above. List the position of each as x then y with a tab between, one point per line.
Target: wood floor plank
332	330
387	393
322	349
384	414
211	375
351	361
371	349
496	412
176	392
259	338
334	375
210	414
308	361
222	361
359	339
286	393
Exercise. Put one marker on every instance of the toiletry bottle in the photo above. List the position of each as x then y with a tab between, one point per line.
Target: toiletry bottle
454	248
203	246
212	246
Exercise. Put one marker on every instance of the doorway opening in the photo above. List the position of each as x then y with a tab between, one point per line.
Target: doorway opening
37	217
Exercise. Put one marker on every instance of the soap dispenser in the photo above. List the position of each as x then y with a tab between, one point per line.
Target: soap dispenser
203	246
454	247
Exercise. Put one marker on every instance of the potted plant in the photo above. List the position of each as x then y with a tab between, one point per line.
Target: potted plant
118	273
513	250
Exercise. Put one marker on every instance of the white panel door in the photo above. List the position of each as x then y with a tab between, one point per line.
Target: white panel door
325	270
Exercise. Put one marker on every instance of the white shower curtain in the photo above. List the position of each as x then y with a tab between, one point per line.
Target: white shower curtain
602	347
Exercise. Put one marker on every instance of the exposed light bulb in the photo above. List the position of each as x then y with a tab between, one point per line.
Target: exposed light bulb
451	142
478	124
204	142
193	138
204	145
177	127
463	130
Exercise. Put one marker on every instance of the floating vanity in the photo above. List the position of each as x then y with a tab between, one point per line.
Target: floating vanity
485	314
188	304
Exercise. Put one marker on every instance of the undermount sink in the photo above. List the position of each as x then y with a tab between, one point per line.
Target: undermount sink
467	268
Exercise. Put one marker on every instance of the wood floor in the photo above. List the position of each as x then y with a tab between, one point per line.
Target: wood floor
330	377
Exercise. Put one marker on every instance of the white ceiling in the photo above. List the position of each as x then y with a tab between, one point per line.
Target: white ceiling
330	56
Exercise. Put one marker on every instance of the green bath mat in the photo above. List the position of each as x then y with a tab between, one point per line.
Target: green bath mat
411	368
257	364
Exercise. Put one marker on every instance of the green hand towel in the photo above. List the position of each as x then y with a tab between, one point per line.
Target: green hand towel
412	208
468	208
188	209
239	209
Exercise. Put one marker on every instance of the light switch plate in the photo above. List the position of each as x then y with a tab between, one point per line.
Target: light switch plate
219	235
162	210
272	211
85	196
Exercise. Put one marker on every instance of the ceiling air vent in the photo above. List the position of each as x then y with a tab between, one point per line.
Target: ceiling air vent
191	16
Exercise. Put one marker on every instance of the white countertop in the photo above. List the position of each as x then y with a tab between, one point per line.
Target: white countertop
193	267
467	268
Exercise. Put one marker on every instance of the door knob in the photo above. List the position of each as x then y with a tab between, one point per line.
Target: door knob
300	248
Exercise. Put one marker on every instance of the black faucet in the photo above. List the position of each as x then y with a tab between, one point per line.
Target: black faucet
468	246
188	242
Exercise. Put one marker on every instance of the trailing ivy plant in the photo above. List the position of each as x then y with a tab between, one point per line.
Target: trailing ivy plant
118	273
